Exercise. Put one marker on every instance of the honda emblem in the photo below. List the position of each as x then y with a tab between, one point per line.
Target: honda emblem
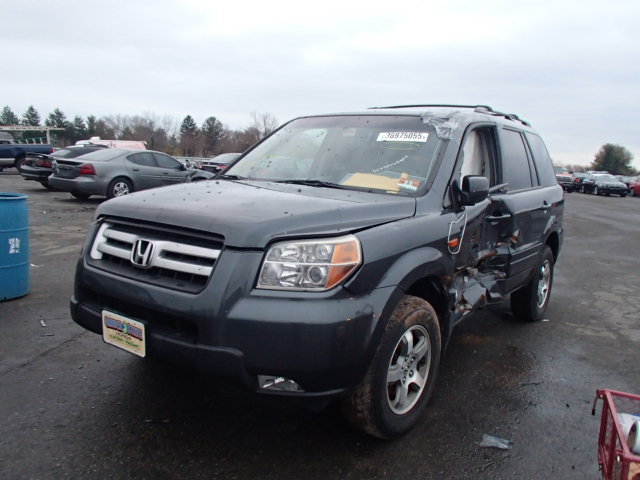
142	253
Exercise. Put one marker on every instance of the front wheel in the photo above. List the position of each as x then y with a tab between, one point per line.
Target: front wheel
530	302
402	374
119	187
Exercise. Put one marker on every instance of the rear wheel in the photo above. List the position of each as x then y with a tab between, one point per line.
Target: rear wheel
118	187
400	379
46	185
18	163
595	191
530	302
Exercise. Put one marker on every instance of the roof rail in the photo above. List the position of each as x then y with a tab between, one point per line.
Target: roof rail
477	108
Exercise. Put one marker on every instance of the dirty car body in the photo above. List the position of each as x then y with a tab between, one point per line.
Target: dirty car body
114	172
335	257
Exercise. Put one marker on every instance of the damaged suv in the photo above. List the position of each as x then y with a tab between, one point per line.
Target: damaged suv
333	259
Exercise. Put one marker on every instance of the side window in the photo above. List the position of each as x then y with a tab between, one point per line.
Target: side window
515	163
165	161
478	157
144	159
542	160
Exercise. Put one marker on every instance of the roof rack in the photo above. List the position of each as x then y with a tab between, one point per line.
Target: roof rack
476	108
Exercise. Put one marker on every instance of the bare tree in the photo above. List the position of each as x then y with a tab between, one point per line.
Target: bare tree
263	123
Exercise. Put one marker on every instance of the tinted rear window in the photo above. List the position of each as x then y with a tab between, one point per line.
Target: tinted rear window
104	155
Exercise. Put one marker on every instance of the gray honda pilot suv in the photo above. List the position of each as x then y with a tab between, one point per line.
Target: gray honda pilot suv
333	259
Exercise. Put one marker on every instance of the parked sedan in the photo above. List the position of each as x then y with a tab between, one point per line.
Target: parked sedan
38	167
579	180
114	172
219	162
605	184
634	187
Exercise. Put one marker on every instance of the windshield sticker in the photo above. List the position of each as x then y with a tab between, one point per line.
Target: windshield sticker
408	183
402	137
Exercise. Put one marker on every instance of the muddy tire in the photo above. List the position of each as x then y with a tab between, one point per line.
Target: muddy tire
401	377
529	304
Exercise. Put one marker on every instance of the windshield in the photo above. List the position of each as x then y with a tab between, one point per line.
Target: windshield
389	154
605	178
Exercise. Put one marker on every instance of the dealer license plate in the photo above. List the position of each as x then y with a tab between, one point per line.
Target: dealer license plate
123	332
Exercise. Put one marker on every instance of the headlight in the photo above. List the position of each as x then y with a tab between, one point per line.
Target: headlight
315	265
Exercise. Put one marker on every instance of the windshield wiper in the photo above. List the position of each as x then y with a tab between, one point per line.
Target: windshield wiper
312	183
232	177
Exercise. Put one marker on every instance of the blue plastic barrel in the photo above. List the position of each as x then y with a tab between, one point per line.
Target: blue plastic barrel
14	246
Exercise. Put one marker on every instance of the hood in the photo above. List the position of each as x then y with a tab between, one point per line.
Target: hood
250	215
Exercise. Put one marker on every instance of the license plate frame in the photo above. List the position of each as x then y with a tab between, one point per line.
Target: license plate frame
124	332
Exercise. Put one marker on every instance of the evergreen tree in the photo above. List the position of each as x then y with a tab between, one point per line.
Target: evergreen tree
188	129
212	132
92	126
188	136
57	119
7	117
614	159
31	117
78	129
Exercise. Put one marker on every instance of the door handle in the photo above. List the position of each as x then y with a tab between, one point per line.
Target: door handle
135	169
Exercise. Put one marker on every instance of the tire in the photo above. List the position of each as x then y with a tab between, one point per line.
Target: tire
402	374
529	304
81	196
46	185
118	187
595	191
18	163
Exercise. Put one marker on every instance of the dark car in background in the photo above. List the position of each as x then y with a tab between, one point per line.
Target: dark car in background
604	184
219	162
38	167
579	179
114	172
564	178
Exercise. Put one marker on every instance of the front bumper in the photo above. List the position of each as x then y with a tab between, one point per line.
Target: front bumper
322	341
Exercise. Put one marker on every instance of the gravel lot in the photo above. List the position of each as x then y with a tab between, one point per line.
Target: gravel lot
73	407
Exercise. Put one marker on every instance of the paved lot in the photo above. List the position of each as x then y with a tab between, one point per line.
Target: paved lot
73	407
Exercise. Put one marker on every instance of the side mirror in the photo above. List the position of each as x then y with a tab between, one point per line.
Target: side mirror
475	189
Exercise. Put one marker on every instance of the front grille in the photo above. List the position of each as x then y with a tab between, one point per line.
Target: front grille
159	255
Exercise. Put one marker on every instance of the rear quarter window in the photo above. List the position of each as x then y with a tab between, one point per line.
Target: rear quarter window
541	159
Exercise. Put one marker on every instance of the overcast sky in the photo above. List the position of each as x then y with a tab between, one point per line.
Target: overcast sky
571	68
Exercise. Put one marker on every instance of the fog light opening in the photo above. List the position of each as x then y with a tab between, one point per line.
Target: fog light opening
280	384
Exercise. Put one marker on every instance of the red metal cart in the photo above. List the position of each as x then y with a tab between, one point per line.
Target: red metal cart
617	461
